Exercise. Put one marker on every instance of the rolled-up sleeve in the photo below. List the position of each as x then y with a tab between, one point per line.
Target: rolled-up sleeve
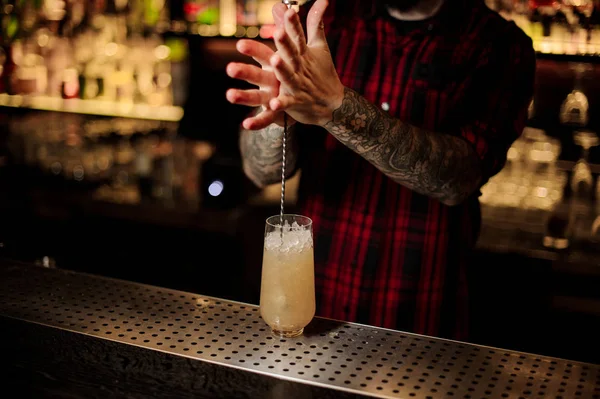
502	89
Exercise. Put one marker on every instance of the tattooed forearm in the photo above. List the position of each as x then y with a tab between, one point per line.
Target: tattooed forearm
262	154
437	165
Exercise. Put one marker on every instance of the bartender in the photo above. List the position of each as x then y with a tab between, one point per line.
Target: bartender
399	111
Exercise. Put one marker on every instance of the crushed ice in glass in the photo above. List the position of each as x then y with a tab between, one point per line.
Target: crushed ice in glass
295	238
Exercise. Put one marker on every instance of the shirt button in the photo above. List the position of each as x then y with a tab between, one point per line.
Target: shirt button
385	106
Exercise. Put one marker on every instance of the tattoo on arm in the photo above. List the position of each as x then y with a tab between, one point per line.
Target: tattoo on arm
262	154
437	165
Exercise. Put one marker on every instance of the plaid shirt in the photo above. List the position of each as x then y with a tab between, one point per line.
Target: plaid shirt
385	255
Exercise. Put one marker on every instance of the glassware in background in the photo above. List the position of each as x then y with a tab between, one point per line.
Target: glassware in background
574	215
574	110
559	226
287	294
530	178
582	181
544	180
584	185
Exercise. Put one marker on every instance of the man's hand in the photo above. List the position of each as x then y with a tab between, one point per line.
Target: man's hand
263	77
310	87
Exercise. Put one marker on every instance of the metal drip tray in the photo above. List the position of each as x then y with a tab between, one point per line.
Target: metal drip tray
343	356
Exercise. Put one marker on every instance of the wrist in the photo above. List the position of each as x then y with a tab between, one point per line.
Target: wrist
333	105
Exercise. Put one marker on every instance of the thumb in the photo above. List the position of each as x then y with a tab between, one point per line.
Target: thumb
314	24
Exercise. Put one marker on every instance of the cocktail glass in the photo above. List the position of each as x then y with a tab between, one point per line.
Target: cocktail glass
287	293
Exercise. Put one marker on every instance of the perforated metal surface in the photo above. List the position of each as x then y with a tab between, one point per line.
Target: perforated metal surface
345	356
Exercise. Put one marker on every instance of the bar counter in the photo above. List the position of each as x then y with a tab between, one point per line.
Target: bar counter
68	334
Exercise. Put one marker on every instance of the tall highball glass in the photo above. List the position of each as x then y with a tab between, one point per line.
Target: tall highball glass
287	293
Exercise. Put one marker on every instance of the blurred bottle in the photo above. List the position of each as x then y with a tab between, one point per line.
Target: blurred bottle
582	182
559	226
7	67
180	74
248	12
205	12
70	84
156	15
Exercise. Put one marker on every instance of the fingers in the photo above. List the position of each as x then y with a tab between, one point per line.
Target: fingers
293	28
283	72
251	74
278	11
260	121
290	40
260	52
286	48
314	24
251	98
280	103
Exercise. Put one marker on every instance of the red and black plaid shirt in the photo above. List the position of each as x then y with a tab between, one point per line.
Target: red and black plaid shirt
385	255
